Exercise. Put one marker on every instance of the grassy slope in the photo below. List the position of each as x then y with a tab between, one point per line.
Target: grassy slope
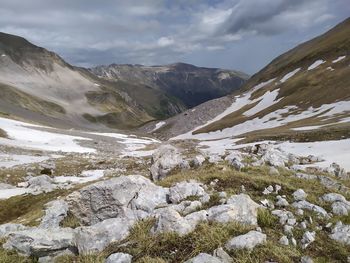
306	88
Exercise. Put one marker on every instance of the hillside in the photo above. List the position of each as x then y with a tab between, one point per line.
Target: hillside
302	95
189	84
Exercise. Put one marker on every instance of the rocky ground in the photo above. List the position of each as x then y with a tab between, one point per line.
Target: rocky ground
180	204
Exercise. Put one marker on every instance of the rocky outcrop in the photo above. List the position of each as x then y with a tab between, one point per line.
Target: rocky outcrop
121	197
166	159
341	233
8	228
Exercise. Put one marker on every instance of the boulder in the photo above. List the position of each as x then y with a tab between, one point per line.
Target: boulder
198	160
95	238
274	157
55	212
187	207
169	220
246	241
166	159
117	198
204	258
41	183
311	207
182	190
240	208
341	233
307	239
333	197
119	258
40	242
341	208
222	255
299	195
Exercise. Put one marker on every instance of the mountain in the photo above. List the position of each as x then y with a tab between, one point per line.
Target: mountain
301	95
188	84
37	84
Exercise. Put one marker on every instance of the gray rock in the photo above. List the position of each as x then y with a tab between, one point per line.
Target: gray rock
204	258
95	238
307	239
341	233
333	197
246	241
222	255
169	220
240	208
41	183
55	212
119	258
306	259
284	241
274	157
281	202
214	159
283	216
341	208
187	207
119	197
166	159
182	190
299	195
8	228
198	160
311	207
40	242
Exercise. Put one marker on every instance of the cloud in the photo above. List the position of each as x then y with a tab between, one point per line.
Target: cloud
204	32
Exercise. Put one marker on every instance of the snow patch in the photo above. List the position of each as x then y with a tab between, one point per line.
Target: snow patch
289	75
7	193
23	135
267	100
86	176
338	59
158	125
10	160
316	64
307	128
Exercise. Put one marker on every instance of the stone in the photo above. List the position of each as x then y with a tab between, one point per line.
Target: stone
341	233
215	159
8	228
283	216
182	190
198	160
187	207
288	229
341	208
307	239
284	241
311	207
95	238
40	242
222	255
293	241
299	195
169	220
119	197
281	202
277	188
240	208
55	212
166	159
333	197
119	258
204	258
246	241
306	259
41	183
303	225
274	157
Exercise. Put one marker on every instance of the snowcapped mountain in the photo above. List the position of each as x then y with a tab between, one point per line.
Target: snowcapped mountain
186	84
302	95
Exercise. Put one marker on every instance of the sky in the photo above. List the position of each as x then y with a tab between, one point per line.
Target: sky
243	35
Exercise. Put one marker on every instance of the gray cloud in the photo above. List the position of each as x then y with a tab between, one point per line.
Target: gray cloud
218	33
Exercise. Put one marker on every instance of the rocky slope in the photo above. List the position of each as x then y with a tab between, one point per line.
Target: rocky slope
303	94
189	84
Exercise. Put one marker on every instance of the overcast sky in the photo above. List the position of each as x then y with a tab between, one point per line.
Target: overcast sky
236	34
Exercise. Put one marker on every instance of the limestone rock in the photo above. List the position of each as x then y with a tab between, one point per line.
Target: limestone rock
55	212
204	258
299	195
246	241
182	190
119	258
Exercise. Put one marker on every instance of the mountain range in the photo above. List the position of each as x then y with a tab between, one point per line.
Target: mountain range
39	85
